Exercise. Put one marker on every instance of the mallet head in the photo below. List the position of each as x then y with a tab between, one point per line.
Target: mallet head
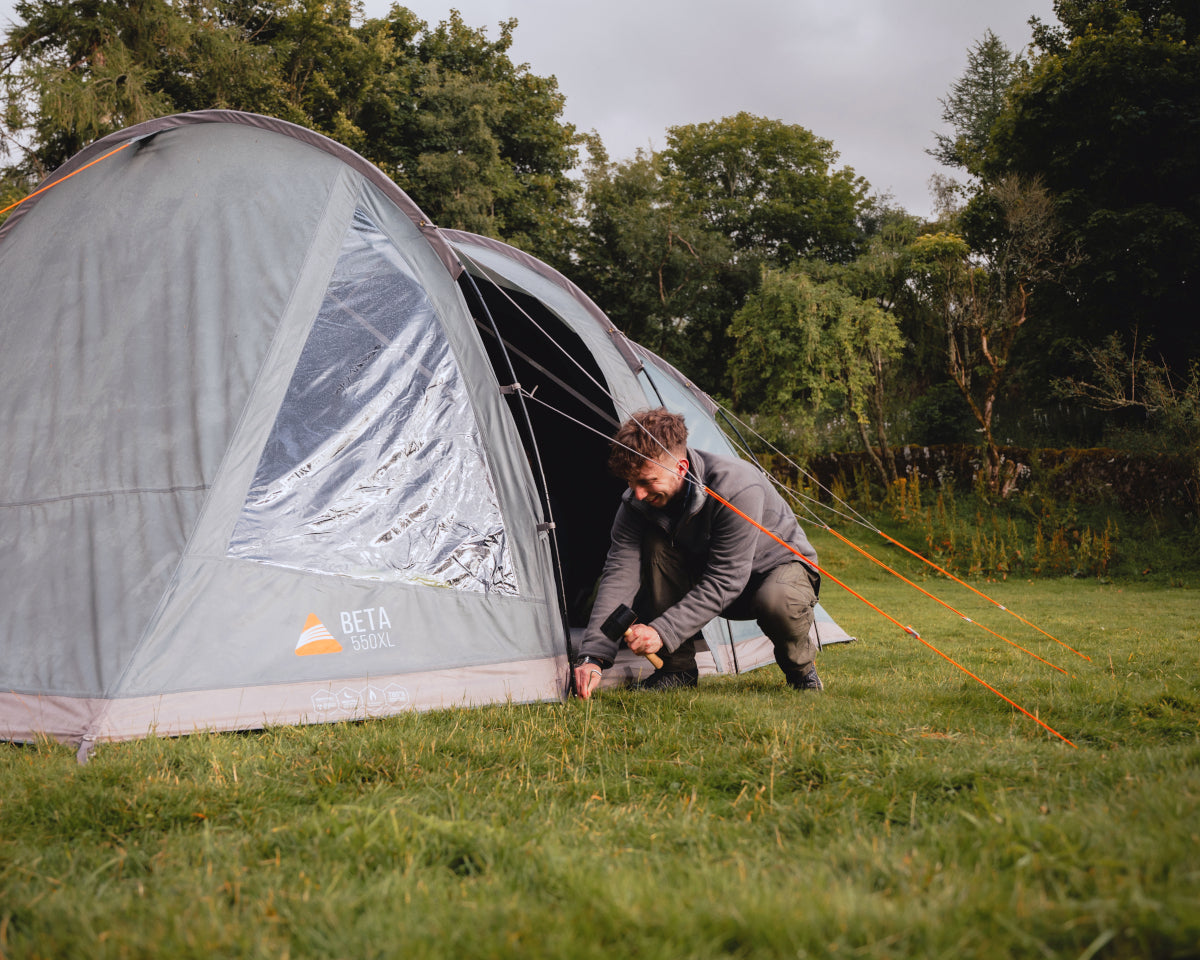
618	622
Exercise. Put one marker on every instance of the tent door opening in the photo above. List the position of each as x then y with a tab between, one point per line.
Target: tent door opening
570	416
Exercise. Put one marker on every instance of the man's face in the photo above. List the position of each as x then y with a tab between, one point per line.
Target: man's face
656	485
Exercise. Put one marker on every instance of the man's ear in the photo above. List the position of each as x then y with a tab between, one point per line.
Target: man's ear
683	466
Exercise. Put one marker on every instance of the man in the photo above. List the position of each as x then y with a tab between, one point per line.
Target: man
681	558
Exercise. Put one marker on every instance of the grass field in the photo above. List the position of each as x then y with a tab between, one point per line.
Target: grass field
905	812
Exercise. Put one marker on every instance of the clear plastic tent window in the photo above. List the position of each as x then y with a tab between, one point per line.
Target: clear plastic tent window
374	467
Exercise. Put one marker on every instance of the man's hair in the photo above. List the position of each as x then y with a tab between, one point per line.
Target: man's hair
643	437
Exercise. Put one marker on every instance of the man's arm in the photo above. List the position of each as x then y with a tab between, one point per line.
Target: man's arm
619	582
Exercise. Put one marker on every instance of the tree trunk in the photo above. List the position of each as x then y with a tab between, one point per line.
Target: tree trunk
866	442
876	400
960	371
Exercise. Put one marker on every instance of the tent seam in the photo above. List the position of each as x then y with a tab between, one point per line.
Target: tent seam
134	491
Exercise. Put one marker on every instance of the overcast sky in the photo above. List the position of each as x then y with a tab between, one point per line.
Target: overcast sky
866	74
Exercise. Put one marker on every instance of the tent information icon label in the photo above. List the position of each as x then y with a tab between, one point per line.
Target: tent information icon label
369	698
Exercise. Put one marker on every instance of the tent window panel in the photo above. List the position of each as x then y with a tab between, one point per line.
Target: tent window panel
374	467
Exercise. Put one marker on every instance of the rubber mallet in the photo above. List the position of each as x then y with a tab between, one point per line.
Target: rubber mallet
618	624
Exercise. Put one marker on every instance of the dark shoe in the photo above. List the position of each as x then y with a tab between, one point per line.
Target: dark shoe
805	678
670	680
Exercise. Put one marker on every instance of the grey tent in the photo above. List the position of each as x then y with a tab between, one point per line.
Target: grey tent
265	459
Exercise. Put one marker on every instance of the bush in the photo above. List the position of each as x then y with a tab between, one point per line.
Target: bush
1082	513
1162	483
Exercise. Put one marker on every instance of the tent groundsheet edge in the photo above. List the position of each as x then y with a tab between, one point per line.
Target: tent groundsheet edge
75	719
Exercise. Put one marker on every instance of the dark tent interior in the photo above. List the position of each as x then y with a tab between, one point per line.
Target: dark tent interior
571	417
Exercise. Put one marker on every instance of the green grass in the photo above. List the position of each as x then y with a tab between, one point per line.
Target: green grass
906	812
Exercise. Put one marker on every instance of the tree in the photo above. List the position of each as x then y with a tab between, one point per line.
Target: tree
475	138
1124	379
801	341
976	100
676	240
462	170
983	296
649	259
79	69
883	273
769	187
1108	118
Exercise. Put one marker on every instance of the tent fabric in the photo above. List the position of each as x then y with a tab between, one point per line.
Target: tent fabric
264	461
158	398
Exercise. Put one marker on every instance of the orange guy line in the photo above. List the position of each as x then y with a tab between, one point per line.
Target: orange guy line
67	177
984	595
888	616
920	589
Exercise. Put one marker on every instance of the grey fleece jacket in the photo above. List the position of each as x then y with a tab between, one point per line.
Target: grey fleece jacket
727	548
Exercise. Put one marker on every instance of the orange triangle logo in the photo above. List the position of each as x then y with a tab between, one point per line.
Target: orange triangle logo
315	638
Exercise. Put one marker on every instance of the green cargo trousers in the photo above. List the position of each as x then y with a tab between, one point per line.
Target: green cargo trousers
781	601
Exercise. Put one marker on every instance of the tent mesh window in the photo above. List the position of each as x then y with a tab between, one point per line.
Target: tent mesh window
374	467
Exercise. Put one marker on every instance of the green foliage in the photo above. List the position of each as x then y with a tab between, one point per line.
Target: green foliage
805	341
983	292
975	102
778	335
674	241
1122	381
769	187
475	138
1103	115
673	244
937	416
484	148
1106	118
86	68
647	255
989	540
1079	513
1129	380
920	815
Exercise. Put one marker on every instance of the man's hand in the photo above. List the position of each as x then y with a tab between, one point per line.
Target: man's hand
587	679
643	639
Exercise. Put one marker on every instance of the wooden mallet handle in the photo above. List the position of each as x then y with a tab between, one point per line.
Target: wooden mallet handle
654	659
617	626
